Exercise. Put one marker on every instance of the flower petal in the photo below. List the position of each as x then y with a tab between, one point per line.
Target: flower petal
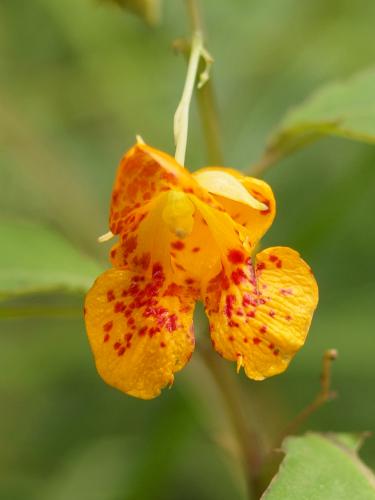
260	318
223	183
140	331
253	218
143	174
171	230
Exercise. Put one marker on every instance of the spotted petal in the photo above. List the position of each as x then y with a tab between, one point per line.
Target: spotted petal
143	174
249	201
140	331
260	317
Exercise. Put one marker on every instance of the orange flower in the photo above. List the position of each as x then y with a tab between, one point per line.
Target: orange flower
185	237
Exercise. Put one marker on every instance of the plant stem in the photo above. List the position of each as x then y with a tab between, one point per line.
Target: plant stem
209	117
181	117
248	440
206	97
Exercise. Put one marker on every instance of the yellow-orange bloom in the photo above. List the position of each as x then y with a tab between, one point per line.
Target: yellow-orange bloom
185	237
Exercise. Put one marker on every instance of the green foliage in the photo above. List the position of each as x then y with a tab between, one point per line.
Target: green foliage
322	467
345	109
36	259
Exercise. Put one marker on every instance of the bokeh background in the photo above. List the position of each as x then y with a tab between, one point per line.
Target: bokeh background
78	80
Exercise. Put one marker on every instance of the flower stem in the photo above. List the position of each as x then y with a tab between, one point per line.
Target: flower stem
248	440
208	113
199	62
181	117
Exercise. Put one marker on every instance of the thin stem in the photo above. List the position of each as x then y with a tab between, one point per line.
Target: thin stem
207	106
206	100
181	117
324	395
248	441
209	117
194	15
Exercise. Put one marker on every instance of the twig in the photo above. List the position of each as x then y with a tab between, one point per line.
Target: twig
325	394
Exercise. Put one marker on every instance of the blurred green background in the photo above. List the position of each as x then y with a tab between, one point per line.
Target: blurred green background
78	80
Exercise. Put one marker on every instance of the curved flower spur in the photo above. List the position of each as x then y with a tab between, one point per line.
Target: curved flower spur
186	237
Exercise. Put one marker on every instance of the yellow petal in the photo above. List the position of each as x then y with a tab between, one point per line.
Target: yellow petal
222	183
154	235
260	318
145	173
256	222
140	331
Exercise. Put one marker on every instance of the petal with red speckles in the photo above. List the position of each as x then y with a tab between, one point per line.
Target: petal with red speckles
143	174
152	237
260	317
140	331
254	218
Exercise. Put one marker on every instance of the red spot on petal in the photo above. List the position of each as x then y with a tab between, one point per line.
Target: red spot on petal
231	338
171	323
229	302
119	307
163	344
196	249
256	340
121	351
178	245
129	244
263	329
108	326
106	337
173	290
276	352
116	345
261	266
142	331
246	340
236	256
110	295
272	313
273	258
238	276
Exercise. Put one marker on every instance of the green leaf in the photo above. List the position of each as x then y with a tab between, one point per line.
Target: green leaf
148	10
36	259
322	467
344	109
